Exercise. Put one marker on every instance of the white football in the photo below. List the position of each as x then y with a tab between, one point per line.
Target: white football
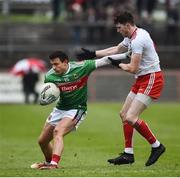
49	89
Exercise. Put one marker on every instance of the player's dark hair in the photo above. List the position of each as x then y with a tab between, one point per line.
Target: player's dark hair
123	18
59	54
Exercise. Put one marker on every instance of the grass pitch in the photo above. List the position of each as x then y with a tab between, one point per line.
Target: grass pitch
86	152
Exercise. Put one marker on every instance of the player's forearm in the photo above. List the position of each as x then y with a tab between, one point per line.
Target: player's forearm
107	51
128	68
105	61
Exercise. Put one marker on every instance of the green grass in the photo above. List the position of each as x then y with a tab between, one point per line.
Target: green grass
86	151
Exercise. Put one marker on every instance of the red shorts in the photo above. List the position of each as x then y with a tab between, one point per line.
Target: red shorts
149	84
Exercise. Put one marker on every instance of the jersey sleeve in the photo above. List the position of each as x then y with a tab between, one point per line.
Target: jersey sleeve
89	65
125	42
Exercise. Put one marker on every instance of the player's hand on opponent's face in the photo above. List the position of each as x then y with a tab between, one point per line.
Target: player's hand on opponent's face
85	54
114	62
45	101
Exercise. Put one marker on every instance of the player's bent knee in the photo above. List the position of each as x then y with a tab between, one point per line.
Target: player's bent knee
59	132
131	119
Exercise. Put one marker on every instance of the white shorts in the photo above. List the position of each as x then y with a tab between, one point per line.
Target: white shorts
75	114
141	97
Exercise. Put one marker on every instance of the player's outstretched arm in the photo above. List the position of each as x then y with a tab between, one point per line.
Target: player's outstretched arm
114	59
117	58
111	51
85	54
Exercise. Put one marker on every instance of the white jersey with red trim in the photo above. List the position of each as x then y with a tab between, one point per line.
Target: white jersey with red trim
141	43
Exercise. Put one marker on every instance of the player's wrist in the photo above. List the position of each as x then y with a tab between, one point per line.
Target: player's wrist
90	54
93	54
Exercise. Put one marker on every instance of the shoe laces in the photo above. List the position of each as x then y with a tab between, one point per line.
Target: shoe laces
123	155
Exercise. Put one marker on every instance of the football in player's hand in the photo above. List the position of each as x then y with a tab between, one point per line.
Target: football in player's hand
49	93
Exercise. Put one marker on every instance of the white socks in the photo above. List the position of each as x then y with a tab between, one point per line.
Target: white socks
155	144
129	150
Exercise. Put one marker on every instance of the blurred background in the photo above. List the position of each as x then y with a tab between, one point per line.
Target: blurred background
34	28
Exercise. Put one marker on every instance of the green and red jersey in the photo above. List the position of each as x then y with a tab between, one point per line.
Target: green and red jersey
72	84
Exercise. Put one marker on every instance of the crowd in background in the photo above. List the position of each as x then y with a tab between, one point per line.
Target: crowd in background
103	10
89	19
100	12
96	10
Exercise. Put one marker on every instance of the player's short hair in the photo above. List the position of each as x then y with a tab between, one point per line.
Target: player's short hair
123	18
59	54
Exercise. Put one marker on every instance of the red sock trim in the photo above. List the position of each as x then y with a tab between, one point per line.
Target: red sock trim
55	158
128	134
145	131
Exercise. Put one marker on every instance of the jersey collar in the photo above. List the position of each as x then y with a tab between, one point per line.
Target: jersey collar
69	66
133	33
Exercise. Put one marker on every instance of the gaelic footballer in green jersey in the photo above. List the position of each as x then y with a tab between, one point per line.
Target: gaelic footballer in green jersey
72	84
71	78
